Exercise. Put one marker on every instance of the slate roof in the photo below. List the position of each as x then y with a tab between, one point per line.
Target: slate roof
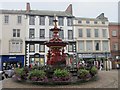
37	12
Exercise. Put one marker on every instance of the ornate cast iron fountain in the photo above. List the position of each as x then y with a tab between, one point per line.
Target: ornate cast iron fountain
56	55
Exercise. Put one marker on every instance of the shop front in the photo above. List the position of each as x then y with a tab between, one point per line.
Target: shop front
97	59
12	60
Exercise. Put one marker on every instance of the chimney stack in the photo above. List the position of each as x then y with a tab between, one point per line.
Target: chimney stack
28	7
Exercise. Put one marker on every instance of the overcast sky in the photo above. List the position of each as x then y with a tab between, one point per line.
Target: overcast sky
80	8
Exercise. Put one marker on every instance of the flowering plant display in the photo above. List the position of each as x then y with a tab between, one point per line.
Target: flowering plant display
61	75
20	74
83	74
93	71
37	75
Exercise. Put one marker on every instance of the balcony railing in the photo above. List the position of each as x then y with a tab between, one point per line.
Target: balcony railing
47	39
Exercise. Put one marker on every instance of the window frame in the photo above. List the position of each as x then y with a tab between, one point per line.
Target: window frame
6	19
40	50
70	35
32	34
31	20
51	18
30	47
19	19
80	34
40	35
61	21
69	21
41	20
96	34
88	33
15	46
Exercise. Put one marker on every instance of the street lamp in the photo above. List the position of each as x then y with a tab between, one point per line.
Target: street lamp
106	59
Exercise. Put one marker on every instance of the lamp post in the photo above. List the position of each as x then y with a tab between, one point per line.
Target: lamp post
75	54
106	60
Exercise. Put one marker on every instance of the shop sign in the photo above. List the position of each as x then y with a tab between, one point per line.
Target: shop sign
12	57
86	55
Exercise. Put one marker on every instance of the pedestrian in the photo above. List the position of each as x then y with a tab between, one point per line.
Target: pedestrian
100	67
117	66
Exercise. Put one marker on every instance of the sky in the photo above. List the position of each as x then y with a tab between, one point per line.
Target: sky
81	8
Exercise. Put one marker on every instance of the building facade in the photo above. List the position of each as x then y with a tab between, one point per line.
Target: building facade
93	41
114	32
12	38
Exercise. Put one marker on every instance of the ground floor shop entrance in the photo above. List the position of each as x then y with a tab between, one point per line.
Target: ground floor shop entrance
9	61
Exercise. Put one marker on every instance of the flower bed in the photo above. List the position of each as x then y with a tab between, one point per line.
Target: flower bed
59	76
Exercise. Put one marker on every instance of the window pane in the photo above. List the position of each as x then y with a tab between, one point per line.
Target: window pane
61	34
14	32
60	21
80	33
31	33
115	46
6	19
42	33
81	46
96	33
51	20
19	19
89	46
105	45
15	46
104	32
70	34
70	48
42	20
114	33
42	48
32	48
50	34
18	32
88	33
97	45
69	21
32	20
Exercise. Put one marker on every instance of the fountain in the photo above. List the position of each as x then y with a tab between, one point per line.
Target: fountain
56	55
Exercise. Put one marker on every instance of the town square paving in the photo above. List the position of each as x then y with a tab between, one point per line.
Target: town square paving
107	79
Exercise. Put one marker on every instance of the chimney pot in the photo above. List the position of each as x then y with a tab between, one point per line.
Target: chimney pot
28	7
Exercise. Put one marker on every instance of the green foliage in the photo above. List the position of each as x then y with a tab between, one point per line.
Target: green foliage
82	73
61	73
19	71
93	70
37	73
